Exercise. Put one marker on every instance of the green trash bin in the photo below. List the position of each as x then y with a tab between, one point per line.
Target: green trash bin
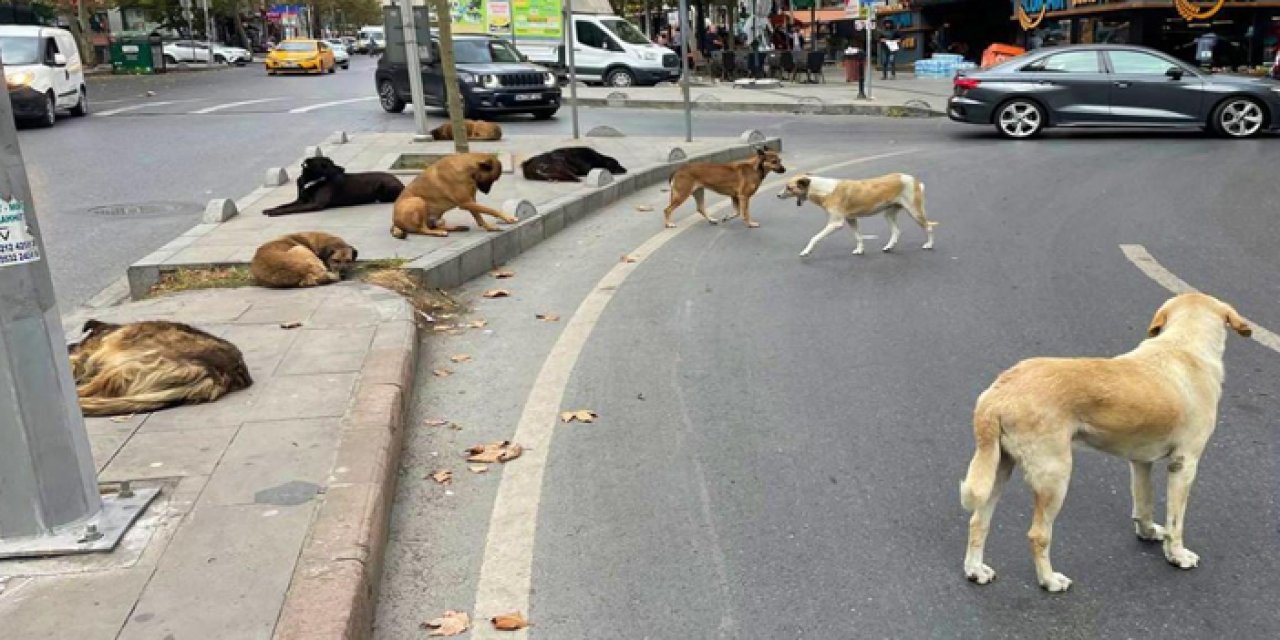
132	55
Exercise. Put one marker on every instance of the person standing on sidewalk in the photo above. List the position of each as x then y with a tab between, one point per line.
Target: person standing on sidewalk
889	45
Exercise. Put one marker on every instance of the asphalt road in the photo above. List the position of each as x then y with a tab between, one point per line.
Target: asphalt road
780	439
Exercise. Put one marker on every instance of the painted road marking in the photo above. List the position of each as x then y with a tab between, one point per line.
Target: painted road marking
231	105
112	112
325	105
1146	263
507	566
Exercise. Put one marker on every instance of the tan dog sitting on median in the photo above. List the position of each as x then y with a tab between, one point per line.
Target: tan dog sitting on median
739	180
848	200
307	259
1157	402
476	130
449	183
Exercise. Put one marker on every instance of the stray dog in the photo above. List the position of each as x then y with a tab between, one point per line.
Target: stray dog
848	200
1159	401
451	182
738	180
146	366
476	130
306	259
325	185
567	164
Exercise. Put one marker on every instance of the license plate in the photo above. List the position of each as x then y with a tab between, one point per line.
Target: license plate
291	64
526	97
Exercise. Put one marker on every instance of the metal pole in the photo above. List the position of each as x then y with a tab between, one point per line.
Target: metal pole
450	74
413	61
208	32
684	69
570	41
49	502
866	71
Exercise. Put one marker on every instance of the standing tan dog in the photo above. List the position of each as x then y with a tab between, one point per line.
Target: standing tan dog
476	130
451	182
306	259
1159	401
145	366
739	180
848	200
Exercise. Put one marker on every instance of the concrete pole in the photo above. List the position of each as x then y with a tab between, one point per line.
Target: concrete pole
450	72
871	24
570	41
685	37
413	62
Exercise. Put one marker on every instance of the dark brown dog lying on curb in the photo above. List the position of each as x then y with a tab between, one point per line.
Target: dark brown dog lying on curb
325	185
451	182
307	259
476	130
146	366
739	180
567	164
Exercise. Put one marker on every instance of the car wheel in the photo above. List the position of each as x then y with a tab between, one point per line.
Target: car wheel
1019	119
82	105
168	59
333	68
1238	118
544	114
346	66
220	59
391	103
620	78
50	114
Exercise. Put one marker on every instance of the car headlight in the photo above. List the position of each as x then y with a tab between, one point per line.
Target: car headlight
489	81
648	55
466	78
549	79
20	79
1275	89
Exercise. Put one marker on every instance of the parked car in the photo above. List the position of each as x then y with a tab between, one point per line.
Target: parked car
43	73
304	56
611	51
493	75
189	51
1112	86
349	43
340	53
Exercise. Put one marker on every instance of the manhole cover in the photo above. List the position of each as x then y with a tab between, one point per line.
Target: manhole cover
145	209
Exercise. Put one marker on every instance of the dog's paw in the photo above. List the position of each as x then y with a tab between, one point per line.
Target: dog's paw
1182	558
980	574
511	219
669	225
1150	533
753	225
805	254
858	251
927	245
887	248
1056	583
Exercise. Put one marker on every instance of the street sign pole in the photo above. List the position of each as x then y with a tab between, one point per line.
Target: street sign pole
685	36
413	61
49	501
871	24
570	31
208	32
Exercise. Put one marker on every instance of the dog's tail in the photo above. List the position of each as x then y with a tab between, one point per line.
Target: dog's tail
976	487
919	197
202	389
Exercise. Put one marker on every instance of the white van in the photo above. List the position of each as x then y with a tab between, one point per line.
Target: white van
43	72
612	51
371	32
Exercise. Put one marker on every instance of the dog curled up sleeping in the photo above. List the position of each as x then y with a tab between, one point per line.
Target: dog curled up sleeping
476	130
1156	402
451	182
567	164
739	180
306	259
146	366
848	200
325	185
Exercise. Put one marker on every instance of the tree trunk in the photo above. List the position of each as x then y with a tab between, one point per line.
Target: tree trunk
87	55
450	73
240	34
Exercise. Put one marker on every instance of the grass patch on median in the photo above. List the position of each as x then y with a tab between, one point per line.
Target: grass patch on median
197	279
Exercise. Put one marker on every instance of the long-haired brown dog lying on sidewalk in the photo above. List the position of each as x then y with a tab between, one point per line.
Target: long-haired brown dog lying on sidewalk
145	366
307	259
451	182
476	130
739	180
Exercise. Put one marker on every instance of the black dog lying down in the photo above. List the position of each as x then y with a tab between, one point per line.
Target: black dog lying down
324	185
565	165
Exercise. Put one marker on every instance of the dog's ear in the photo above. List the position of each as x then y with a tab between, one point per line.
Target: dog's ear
803	183
1157	323
354	254
1238	323
90	325
324	254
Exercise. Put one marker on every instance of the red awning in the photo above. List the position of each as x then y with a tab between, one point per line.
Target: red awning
802	16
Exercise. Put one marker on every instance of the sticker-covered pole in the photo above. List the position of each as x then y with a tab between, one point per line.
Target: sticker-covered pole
47	484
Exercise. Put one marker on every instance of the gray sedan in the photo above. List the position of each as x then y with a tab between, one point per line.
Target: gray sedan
1112	86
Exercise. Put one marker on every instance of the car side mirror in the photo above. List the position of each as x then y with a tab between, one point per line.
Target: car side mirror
1174	72
524	58
59	60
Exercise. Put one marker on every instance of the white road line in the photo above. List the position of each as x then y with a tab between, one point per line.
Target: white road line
507	566
231	105
1146	263
112	112
324	105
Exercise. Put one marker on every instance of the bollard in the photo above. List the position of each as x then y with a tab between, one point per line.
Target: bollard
219	210
752	136
275	177
605	131
599	178
522	209
674	154
313	152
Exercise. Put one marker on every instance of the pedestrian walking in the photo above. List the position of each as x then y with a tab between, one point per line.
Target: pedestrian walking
889	44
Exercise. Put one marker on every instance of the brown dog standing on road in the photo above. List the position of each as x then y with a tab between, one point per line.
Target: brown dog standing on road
476	130
1159	401
738	180
307	259
451	182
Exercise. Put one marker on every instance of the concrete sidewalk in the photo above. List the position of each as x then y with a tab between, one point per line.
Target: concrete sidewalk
906	96
273	500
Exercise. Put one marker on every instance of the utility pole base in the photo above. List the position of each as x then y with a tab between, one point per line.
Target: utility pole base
102	532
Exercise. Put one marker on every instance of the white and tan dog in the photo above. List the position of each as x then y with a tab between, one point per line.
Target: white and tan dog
848	200
1157	402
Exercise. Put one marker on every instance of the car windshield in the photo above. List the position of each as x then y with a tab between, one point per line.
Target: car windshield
484	51
625	30
19	50
296	46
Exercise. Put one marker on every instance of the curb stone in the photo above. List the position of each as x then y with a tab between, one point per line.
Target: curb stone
893	111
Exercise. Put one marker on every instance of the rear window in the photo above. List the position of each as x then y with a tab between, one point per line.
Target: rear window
296	46
16	50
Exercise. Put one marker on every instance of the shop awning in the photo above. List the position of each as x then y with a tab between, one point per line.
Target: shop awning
802	16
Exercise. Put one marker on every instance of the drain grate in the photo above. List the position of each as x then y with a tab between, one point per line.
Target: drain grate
145	209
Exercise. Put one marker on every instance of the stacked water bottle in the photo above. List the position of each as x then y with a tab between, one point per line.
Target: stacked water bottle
942	65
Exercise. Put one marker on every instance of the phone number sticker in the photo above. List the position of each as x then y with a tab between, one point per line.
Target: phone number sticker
17	245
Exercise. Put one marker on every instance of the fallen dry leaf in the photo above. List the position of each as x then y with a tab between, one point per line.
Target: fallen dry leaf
460	358
503	274
548	317
513	621
441	373
442	476
290	325
496	293
435	422
628	259
478	324
478	468
501	451
644	207
451	623
581	415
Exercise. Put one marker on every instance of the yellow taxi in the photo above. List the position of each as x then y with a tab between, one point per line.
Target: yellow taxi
301	56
